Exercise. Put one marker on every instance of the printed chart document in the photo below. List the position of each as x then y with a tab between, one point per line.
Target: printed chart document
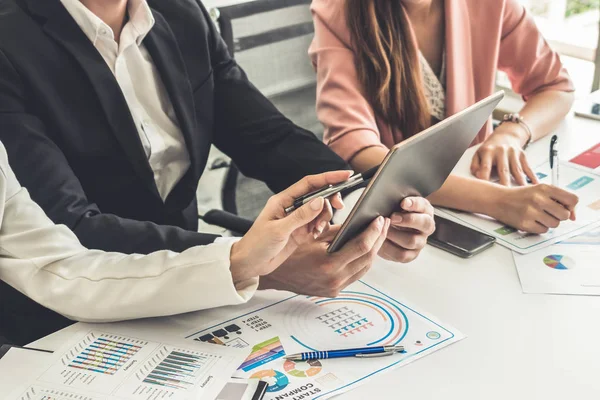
109	365
569	267
361	316
585	183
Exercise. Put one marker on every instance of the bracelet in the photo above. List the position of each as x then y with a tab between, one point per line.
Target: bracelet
518	119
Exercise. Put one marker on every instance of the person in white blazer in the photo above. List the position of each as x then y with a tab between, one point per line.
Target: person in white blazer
47	263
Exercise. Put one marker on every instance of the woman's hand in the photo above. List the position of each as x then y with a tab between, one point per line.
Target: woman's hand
503	150
537	208
409	230
274	236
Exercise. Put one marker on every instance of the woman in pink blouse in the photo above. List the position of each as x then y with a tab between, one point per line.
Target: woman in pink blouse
388	69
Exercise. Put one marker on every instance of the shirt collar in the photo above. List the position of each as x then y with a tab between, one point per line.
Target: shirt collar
140	18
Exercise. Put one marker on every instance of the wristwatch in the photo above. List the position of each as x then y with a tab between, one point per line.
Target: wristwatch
517	119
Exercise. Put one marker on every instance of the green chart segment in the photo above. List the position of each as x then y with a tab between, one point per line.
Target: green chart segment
559	262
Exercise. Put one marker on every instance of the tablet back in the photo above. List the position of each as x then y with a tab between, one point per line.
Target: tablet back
417	166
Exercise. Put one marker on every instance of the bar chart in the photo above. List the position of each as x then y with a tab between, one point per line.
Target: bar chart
105	356
178	370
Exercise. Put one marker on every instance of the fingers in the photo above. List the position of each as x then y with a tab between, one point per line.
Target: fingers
527	169
310	184
475	163
347	273
330	233
300	217
391	252
336	201
408	240
366	260
515	167
322	220
555	209
423	223
535	227
502	165
567	199
362	244
417	205
547	220
486	163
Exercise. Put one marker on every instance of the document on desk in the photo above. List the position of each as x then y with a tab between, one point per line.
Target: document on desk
105	364
17	367
283	324
583	182
569	267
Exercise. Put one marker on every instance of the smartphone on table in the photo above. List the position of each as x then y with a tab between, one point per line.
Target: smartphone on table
458	239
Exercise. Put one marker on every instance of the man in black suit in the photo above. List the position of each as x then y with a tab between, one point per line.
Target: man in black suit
108	109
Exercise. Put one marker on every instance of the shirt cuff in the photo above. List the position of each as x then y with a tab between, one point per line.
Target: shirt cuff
245	289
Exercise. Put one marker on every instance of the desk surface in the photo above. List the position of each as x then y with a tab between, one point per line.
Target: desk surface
518	346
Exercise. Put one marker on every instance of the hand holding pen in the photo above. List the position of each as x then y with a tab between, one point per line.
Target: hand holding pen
332	190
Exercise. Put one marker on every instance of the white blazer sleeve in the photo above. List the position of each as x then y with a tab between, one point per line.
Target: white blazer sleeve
47	263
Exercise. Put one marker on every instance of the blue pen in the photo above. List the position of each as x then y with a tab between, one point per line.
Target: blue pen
364	352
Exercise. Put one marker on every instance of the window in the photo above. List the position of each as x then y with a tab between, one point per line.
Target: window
571	28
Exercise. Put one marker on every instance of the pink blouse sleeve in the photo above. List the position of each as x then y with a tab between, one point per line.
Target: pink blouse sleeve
349	121
531	64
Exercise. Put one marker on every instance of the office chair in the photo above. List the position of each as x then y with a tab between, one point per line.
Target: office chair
269	40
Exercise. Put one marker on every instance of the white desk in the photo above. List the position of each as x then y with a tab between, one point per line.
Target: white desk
518	346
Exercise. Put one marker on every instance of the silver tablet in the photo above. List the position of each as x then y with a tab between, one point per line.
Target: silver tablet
417	166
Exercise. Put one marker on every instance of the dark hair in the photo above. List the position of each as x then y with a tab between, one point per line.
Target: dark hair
387	63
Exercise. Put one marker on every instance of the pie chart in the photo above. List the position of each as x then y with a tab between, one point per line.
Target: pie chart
560	262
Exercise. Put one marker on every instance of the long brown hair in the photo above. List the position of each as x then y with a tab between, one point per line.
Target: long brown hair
387	63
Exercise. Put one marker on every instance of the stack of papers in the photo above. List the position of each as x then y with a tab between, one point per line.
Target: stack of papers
134	361
112	365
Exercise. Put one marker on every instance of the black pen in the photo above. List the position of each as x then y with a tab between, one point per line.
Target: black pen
331	190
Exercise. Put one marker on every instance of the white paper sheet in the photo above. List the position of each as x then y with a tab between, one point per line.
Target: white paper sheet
106	364
583	182
570	267
18	365
361	316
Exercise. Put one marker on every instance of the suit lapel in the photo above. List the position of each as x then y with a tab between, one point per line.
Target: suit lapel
460	89
61	26
162	46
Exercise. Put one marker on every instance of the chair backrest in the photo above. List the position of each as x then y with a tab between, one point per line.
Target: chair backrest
270	35
269	39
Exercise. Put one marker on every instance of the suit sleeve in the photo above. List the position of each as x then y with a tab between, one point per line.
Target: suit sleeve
530	63
261	141
45	172
47	263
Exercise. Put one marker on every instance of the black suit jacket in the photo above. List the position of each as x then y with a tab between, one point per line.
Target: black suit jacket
73	144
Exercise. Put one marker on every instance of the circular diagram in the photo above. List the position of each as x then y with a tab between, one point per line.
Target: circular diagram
433	335
302	369
355	319
560	262
276	380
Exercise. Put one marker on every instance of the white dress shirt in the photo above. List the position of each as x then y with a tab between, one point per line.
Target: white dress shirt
142	88
47	263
